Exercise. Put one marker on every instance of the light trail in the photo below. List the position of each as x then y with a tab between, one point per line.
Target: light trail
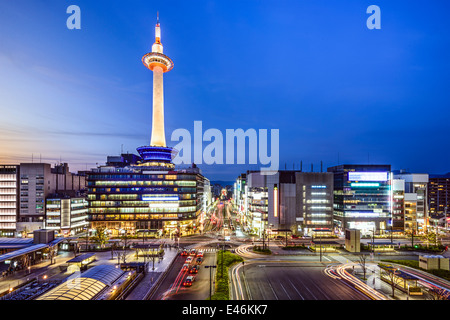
355	282
427	281
175	285
239	294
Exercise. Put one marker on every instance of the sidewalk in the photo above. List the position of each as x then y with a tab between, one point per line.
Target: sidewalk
381	286
152	276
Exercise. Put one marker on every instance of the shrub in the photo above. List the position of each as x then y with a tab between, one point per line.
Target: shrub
222	291
261	250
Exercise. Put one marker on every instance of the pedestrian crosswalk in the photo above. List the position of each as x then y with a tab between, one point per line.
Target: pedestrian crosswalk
205	250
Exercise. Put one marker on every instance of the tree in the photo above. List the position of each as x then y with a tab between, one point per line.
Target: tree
24	232
390	274
431	237
101	236
439	294
362	263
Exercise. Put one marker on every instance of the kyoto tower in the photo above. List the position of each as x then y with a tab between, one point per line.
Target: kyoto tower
157	154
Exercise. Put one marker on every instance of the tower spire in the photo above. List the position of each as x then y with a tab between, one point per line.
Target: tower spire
159	64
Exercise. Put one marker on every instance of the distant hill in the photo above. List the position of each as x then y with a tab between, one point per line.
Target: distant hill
446	175
222	183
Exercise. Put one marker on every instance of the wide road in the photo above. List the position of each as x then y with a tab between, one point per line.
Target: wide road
172	287
265	280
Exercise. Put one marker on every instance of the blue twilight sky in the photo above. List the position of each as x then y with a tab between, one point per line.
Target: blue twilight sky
337	91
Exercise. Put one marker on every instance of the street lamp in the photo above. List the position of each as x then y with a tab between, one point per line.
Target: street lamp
210	280
320	243
87	237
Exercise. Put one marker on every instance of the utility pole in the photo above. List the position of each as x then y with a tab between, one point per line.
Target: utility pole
87	237
210	280
320	242
392	233
223	249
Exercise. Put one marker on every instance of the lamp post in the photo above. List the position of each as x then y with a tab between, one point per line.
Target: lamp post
124	232
320	243
221	267
392	232
87	237
373	242
210	279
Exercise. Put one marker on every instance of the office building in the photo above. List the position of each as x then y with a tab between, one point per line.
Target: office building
314	202
9	199
439	195
415	201
362	198
300	202
66	215
23	190
37	182
400	222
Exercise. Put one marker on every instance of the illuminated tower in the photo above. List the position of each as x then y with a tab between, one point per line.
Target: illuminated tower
157	154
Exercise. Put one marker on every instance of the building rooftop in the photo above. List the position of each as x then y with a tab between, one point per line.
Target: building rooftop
85	287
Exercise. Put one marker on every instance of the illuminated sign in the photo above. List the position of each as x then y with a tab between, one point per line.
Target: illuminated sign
364	184
150	198
275	202
368	176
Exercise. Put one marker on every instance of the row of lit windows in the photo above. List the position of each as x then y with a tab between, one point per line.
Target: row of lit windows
141	176
142	183
133	216
7	177
7	190
142	210
184	196
141	189
140	203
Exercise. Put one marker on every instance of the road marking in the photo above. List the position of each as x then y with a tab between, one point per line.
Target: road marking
285	291
293	286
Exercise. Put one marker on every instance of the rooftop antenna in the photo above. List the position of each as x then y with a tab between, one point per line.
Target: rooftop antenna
321	166
157	17
301	165
312	170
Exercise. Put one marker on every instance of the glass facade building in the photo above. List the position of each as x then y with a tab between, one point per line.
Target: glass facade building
66	215
135	198
362	198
